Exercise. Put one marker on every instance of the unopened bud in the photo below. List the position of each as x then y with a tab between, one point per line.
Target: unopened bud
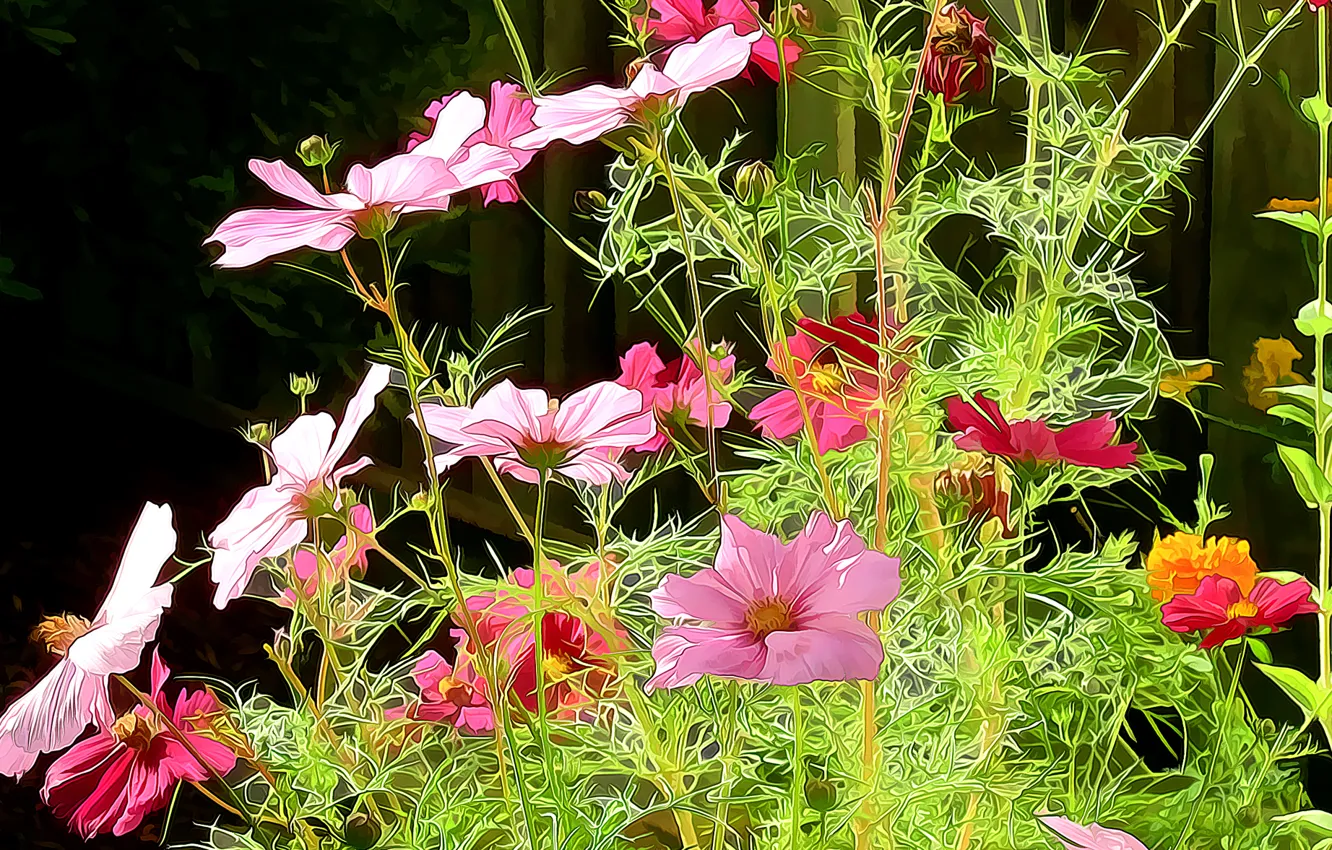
820	794
259	433
302	385
754	182
316	152
376	222
420	501
589	203
803	18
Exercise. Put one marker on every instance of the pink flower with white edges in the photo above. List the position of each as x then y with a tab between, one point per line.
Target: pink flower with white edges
339	563
591	112
272	520
1075	836
113	780
781	613
422	181
509	116
526	431
686	20
677	391
74	693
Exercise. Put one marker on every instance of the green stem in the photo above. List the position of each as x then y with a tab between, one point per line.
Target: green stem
1211	765
727	779
1320	353
797	766
515	42
539	646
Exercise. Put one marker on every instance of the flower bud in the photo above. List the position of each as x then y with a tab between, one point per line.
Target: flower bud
804	18
302	385
820	794
420	501
316	152
360	831
589	203
959	54
259	433
754	182
981	487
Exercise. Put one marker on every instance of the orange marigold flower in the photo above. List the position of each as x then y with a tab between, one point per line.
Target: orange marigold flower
1178	564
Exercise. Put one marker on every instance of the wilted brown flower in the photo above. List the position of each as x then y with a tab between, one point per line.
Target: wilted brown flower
57	633
958	54
1271	365
980	485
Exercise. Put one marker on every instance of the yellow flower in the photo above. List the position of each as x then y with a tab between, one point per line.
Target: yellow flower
1178	564
1270	366
1177	385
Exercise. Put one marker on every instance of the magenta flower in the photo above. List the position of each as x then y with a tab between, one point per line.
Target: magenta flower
424	180
1220	608
273	519
1075	836
450	693
782	613
590	112
74	693
686	21
1086	443
340	562
526	431
111	781
510	116
677	391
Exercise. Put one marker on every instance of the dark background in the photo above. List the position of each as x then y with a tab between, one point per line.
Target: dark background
129	362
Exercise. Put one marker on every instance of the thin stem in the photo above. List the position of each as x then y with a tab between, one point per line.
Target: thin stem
727	747
890	179
515	42
539	646
797	766
1211	765
700	331
1320	379
508	500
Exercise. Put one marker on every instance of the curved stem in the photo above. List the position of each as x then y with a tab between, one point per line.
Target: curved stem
538	640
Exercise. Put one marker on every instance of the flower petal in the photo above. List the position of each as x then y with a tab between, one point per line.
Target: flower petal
826	648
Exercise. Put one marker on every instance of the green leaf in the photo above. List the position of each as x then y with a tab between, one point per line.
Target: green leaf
1309	479
1316	819
52	35
1302	220
15	289
272	137
1313	699
1260	650
1292	413
1272	17
1316	110
1315	319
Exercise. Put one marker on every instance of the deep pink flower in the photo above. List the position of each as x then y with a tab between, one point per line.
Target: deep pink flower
111	781
687	21
526	431
424	180
74	693
958	55
272	519
340	562
590	112
835	366
1220	608
1075	836
1315	5
677	391
782	613
510	116
452	694
1084	443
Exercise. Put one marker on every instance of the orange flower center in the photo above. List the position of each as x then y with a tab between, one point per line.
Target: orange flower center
1242	608
557	666
134	730
768	616
59	632
825	377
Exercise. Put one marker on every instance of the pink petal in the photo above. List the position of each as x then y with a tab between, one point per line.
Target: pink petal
677	19
461	115
747	559
639	367
1205	608
1075	836
117	646
605	415
577	116
51	715
593	467
716	57
400	180
150	544
778	415
508	415
285	180
827	648
1277	603
828	569
358	410
685	654
300	452
233	565
252	236
705	597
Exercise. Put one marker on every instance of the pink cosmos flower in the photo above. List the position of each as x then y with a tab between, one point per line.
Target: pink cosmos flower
449	694
686	20
526	431
782	613
340	562
1075	836
272	519
1084	443
74	693
1224	612
111	781
590	112
510	116
424	180
677	391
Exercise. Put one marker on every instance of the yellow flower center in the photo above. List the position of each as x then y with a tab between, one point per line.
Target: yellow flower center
1242	608
557	666
825	377
59	632
768	616
134	729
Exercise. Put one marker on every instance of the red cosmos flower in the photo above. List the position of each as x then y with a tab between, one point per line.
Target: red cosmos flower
1224	612
958	55
1315	5
1081	444
836	371
111	781
686	20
